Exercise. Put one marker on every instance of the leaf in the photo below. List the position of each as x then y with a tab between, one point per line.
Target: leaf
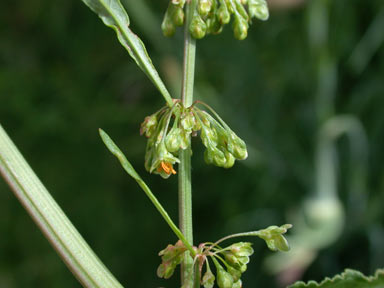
349	278
114	16
117	152
131	171
50	218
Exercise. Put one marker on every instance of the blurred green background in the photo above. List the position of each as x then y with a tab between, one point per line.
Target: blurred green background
63	75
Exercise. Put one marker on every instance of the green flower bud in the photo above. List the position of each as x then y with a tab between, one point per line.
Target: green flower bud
163	155
229	160
166	270
204	7
241	249
237	284
148	127
214	26
208	157
162	161
208	279
197	126
209	137
224	279
237	147
223	14
185	139
229	5
171	257
241	10
232	259
258	9
173	140
179	3
274	238
178	16
237	262
243	268
172	251
168	27
197	28
236	274
218	157
278	243
187	121
240	28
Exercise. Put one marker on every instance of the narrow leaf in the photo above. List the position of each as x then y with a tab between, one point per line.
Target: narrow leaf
114	16
120	156
129	169
51	220
349	278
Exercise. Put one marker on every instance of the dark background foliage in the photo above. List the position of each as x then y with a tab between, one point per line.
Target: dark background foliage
63	75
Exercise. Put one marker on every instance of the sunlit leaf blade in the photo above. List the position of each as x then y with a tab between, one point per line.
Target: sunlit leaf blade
349	278
114	15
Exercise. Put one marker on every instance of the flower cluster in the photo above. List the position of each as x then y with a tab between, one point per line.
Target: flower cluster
230	262
210	16
170	129
234	258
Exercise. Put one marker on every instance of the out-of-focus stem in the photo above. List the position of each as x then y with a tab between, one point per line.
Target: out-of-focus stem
51	220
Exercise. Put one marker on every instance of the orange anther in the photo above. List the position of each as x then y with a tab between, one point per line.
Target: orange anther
166	167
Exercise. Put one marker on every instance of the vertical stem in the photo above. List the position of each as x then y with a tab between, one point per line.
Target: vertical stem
185	187
189	57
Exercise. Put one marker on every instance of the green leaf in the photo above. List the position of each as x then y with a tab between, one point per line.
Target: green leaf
349	278
117	152
50	218
131	171
114	16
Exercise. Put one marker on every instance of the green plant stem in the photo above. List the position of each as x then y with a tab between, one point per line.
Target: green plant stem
185	187
51	220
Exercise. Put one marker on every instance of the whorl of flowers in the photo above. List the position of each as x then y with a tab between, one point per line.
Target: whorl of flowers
230	262
210	16
170	129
